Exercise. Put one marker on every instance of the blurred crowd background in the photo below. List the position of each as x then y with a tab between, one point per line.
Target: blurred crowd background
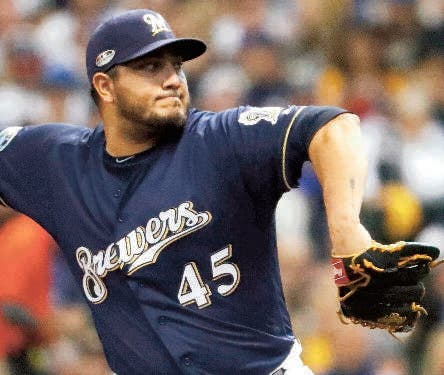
382	59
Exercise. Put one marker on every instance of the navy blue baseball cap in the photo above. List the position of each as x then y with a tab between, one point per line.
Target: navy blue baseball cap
133	34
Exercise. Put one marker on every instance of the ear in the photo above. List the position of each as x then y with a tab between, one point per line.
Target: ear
104	86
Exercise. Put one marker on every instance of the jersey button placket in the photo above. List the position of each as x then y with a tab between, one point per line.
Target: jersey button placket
187	360
118	194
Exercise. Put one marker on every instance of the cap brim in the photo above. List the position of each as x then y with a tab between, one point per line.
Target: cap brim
187	48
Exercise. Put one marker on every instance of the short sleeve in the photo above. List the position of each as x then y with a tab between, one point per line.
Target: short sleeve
28	157
9	150
298	135
267	146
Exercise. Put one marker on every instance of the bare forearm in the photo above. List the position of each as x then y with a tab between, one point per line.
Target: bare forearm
338	158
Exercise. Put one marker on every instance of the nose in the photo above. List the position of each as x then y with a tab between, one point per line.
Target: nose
173	77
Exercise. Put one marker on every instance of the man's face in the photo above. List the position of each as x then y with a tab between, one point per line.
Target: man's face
152	91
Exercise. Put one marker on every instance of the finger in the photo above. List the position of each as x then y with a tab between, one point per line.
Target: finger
419	248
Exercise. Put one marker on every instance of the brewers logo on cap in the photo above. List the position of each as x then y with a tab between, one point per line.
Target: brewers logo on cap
157	23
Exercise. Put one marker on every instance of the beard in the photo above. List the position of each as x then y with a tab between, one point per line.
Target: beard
158	126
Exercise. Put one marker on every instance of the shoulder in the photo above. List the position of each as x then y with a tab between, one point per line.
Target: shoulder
320	114
237	117
45	134
266	120
62	133
200	121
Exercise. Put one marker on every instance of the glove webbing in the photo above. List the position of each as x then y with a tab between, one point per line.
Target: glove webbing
390	322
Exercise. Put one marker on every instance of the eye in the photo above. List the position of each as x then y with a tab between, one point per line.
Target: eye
151	66
178	65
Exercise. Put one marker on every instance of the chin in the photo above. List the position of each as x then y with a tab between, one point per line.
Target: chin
175	118
173	109
173	115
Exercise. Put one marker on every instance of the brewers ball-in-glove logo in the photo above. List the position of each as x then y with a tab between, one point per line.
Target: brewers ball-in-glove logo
253	115
157	23
7	135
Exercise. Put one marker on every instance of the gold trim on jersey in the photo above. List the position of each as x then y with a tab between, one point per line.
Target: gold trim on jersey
2	202
284	147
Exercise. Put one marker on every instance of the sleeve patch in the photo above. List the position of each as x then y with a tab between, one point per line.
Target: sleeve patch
7	135
252	115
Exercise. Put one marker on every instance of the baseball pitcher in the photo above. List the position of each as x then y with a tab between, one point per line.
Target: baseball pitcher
165	213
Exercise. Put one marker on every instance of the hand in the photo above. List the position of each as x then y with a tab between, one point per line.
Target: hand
348	240
381	287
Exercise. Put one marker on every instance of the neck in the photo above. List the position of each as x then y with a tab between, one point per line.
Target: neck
118	146
126	137
123	138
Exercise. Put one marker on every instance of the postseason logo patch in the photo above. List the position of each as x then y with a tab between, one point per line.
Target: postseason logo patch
105	57
7	135
253	115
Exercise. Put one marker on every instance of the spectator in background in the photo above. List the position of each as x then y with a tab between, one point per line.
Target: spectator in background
420	149
433	363
425	349
260	59
26	251
432	72
430	14
20	100
77	349
365	91
62	91
221	87
40	335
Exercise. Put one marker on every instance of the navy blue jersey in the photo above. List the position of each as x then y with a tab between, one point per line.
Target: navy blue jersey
174	248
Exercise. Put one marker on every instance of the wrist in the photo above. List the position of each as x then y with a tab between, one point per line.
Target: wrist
349	241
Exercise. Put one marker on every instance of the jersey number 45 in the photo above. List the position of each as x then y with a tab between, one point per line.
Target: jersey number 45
193	289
